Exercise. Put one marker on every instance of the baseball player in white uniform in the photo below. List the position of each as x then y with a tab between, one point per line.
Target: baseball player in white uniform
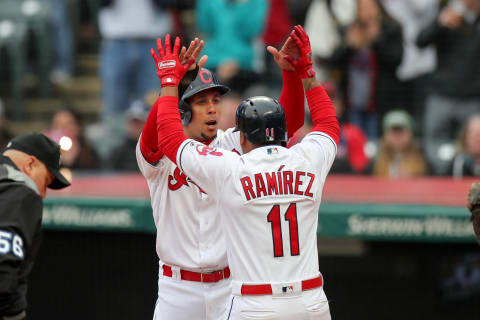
193	270
268	197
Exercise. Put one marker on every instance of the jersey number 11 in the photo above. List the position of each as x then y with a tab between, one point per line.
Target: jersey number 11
275	219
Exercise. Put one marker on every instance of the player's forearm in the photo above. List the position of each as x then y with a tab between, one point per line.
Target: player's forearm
169	126
310	83
169	91
149	145
292	99
149	139
321	109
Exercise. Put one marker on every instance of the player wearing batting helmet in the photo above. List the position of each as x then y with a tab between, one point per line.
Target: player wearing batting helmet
194	277
262	120
268	197
205	80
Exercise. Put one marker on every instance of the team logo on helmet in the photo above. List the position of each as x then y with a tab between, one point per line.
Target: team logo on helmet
205	76
204	80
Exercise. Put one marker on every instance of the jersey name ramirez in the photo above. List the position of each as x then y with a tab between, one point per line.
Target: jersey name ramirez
278	183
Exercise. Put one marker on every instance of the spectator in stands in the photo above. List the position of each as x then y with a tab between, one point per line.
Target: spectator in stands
67	130
277	29
128	29
62	42
368	60
399	156
417	63
232	30
298	10
350	157
278	23
123	156
228	107
467	159
455	89
325	22
5	134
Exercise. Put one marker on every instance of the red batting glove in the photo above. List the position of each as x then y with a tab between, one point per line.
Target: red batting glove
169	69
303	64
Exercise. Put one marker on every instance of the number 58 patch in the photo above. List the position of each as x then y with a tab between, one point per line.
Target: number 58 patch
10	242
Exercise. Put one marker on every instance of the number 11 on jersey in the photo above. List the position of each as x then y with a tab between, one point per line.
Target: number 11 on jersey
275	218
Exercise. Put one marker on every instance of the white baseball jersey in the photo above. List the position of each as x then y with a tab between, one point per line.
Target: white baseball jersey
188	230
268	200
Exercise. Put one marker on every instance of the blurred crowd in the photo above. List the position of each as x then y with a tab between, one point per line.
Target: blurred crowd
403	75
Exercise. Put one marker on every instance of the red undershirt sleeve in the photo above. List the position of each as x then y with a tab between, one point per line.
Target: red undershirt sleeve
169	127
293	101
323	113
149	138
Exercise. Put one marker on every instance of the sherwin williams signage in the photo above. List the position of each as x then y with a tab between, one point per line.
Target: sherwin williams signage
395	222
380	222
98	214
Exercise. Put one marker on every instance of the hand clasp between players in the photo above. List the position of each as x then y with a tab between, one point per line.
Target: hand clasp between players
295	54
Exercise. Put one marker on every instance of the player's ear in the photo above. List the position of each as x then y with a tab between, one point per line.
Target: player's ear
29	165
243	142
243	139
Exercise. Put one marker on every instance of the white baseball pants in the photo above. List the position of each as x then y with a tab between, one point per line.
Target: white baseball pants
307	305
190	300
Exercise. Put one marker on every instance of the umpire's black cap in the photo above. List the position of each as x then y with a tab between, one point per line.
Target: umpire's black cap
45	150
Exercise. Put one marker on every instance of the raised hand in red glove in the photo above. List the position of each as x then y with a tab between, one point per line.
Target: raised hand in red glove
193	52
303	64
289	48
169	69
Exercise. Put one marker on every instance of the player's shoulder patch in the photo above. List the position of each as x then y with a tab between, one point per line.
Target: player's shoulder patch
204	150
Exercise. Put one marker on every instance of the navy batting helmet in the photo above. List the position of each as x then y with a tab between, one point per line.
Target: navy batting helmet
205	80
262	120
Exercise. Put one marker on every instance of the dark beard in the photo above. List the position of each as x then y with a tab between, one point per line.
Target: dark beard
208	138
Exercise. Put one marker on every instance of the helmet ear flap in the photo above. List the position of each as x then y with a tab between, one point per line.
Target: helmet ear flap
185	112
240	118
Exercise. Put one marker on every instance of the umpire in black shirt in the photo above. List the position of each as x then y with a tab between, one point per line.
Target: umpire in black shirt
29	164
